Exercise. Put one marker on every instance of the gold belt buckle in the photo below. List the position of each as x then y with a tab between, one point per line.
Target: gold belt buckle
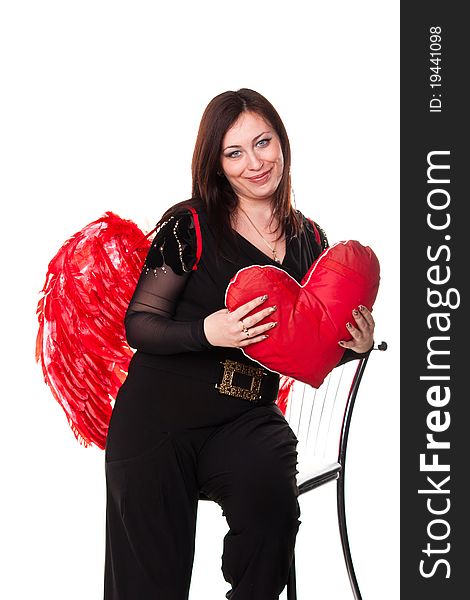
230	368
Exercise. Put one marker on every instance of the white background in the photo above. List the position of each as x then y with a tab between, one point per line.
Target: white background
100	106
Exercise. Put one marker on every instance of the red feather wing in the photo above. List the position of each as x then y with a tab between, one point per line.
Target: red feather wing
286	386
81	343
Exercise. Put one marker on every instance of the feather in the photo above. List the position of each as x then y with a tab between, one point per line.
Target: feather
81	344
285	391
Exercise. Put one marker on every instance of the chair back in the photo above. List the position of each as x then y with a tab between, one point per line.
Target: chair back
320	419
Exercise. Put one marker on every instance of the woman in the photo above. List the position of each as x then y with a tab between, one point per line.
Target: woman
186	420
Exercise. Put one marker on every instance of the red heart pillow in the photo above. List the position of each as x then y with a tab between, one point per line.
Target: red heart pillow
312	316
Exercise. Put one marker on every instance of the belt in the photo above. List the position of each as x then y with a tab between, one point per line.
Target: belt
247	382
242	379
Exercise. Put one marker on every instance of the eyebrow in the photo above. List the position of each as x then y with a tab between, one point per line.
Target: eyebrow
255	138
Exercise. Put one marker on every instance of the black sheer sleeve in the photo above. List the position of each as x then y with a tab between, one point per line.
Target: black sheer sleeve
351	355
148	321
348	354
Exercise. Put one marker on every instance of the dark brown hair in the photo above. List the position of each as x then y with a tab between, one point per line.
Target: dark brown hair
213	191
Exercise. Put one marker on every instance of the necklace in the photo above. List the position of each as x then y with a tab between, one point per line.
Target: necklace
273	249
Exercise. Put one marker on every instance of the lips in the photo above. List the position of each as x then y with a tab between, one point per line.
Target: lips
261	178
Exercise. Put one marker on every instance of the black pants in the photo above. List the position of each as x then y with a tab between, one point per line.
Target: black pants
247	465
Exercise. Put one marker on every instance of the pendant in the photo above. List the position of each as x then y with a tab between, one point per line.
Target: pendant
278	260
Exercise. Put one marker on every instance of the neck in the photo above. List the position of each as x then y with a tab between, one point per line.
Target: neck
259	211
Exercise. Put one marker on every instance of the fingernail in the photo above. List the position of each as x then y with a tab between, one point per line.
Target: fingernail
265	297
341	343
273	308
355	312
348	325
361	307
266	336
273	324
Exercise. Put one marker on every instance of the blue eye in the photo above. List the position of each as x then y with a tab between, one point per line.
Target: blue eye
260	144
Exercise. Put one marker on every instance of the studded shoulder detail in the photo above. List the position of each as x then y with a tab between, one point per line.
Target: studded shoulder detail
174	245
318	232
323	238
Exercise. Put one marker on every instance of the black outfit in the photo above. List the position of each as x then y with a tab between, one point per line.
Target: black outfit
173	435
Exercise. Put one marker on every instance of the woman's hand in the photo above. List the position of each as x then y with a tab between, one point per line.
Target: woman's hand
231	329
363	333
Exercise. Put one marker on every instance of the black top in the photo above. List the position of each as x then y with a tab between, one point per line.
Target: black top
165	318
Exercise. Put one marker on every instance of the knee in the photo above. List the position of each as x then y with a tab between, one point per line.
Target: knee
273	509
281	516
277	523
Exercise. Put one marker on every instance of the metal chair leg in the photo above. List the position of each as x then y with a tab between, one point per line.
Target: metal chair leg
340	489
291	583
344	537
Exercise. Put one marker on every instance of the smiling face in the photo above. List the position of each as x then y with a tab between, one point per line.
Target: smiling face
251	158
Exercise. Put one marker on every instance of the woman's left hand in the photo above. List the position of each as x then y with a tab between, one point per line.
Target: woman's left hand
362	333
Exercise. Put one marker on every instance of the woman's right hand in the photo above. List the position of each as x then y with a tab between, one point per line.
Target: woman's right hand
232	330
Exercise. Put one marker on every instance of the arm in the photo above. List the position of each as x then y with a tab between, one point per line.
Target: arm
149	318
351	355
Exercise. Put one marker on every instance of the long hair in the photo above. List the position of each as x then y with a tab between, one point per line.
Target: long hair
213	191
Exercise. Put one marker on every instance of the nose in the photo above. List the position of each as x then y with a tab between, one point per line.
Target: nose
254	162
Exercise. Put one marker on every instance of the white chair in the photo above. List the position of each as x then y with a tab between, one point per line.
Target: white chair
321	418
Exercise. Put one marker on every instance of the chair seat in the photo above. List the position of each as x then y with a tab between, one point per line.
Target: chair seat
313	476
317	474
